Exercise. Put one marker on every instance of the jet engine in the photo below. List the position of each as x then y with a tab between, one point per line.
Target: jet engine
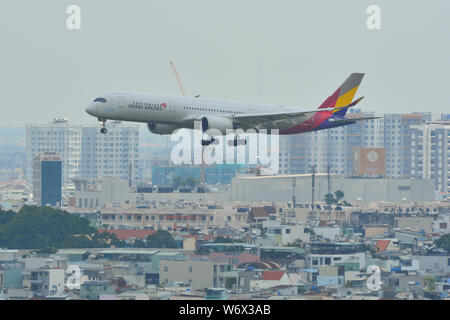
161	128
219	123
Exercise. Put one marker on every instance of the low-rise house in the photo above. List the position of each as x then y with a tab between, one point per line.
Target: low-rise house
281	290
197	274
11	275
47	282
441	225
330	254
414	223
283	235
385	245
433	263
330	276
93	289
258	214
324	231
133	295
269	279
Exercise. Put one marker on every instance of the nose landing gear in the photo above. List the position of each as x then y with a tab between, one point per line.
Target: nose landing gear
103	129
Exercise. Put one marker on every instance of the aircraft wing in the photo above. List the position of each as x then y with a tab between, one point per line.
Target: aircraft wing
260	118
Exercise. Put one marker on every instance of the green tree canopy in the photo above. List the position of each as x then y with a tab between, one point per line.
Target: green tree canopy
329	199
161	239
191	182
177	182
6	216
339	195
444	242
45	227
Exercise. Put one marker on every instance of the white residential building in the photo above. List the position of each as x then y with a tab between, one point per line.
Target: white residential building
430	145
47	282
85	152
397	142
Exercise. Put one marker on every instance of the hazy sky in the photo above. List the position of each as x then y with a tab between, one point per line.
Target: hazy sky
293	52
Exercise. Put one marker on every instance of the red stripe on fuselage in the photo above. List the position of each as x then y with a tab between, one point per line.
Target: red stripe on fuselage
310	124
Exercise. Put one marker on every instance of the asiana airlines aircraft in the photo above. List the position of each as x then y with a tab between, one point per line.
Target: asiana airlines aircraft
166	113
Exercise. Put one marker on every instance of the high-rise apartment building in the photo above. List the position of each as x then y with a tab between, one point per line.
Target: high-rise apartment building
430	157
397	142
84	151
333	148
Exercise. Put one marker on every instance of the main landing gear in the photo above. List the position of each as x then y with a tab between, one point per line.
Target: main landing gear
208	142
103	129
237	142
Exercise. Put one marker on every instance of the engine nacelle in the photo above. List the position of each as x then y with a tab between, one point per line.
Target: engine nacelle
219	123
161	128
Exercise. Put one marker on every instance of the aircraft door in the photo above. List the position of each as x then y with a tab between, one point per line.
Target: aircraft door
171	106
121	102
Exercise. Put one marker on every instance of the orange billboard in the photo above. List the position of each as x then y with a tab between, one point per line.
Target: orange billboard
370	162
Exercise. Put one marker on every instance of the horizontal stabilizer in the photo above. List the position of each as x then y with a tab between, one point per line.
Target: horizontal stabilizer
350	120
341	111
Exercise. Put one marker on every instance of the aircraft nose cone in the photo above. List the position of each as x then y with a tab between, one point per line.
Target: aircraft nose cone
91	109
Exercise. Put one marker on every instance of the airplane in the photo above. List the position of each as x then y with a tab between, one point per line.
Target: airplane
166	113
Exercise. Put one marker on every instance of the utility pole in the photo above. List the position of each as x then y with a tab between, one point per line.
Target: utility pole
313	180
311	216
130	173
329	179
294	184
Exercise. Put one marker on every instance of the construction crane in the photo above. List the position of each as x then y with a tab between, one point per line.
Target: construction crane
180	85
177	76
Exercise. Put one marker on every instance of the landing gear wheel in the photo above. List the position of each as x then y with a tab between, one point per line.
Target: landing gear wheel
103	129
207	142
237	142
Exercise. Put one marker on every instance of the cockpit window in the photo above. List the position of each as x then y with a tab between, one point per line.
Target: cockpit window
103	100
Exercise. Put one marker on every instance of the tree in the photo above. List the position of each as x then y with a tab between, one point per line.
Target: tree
177	182
339	195
191	182
221	239
329	199
444	242
6	216
161	239
139	243
44	227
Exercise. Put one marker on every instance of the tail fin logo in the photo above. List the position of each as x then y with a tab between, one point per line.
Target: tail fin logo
343	96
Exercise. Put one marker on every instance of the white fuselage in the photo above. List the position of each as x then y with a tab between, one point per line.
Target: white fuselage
177	110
